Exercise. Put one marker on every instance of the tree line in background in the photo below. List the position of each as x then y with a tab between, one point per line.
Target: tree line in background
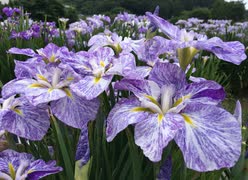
169	9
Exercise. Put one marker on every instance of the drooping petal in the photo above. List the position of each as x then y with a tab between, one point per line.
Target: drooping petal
172	31
90	87
16	86
124	113
139	87
233	52
26	121
155	132
39	169
27	69
75	111
27	51
210	139
207	92
165	170
43	95
168	74
83	149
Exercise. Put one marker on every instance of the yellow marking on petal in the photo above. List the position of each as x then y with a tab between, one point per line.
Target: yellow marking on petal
141	109
152	100
36	85
50	90
160	117
188	119
68	92
41	77
12	170
52	58
18	111
70	79
30	171
102	63
97	79
180	100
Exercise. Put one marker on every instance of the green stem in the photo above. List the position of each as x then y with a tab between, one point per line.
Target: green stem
63	149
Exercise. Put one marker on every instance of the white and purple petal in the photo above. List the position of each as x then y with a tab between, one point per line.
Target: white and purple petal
122	115
210	139
90	87
75	111
168	74
83	149
153	134
27	51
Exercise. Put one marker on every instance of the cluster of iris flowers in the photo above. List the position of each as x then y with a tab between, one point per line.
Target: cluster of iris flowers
162	103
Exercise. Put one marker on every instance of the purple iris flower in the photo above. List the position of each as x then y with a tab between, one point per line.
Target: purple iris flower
8	11
189	43
166	107
98	68
14	165
49	83
20	117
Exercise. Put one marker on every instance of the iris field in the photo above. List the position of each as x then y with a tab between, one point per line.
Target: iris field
134	97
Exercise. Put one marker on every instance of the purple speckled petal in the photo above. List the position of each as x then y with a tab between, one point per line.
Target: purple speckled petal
123	115
123	65
89	87
139	87
238	112
165	170
43	95
28	122
83	149
75	111
168	74
27	52
210	139
27	69
153	135
206	92
16	86
39	169
233	52
172	31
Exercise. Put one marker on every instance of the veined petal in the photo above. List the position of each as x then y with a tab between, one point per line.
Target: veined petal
206	92
210	139
153	134
16	86
28	122
75	111
44	95
122	115
83	149
90	87
172	31
168	74
39	169
27	51
233	51
139	87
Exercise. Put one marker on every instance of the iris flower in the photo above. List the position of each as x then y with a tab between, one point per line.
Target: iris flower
189	43
166	107
21	166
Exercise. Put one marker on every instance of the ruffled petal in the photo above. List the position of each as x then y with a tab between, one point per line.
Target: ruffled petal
153	134
90	87
168	74
27	51
211	138
27	121
75	111
123	114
